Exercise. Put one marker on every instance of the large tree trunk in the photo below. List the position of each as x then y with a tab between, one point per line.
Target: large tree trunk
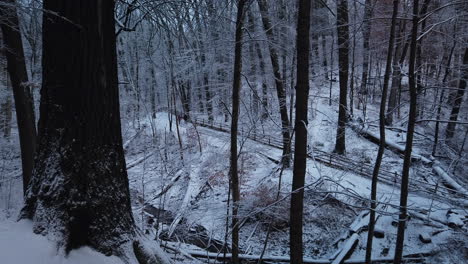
300	145
450	130
343	61
79	190
19	78
234	177
409	139
278	81
375	173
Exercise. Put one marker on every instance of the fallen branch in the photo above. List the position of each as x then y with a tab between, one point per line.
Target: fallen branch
138	161
173	180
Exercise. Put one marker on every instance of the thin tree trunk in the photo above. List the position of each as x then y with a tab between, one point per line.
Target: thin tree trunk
343	60
441	98
279	83
396	75
19	78
419	63
300	145
366	30
324	57
234	177
450	130
375	173
409	139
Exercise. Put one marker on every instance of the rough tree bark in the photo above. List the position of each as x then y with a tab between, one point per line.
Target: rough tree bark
279	83
19	78
300	145
450	130
236	86
383	100
79	191
343	61
409	138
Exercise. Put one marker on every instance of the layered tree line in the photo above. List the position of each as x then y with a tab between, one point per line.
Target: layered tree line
68	66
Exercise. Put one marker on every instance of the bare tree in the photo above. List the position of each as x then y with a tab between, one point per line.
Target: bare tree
378	161
280	91
233	173
300	145
343	66
409	138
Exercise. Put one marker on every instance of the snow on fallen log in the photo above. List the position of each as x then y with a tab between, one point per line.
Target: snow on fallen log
449	180
374	137
138	161
195	186
219	256
347	249
130	140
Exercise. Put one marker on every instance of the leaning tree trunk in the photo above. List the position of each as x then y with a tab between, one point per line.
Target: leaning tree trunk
300	145
234	177
343	61
19	78
79	190
278	81
375	173
450	130
409	139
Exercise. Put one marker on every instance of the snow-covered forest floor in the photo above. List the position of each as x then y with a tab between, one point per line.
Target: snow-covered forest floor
180	192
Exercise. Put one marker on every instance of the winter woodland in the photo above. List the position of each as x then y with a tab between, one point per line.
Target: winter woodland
233	131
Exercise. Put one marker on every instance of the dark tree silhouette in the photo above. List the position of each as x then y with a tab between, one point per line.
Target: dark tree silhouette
383	100
19	78
409	138
300	145
343	65
236	86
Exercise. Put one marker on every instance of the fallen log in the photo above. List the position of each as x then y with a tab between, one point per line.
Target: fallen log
347	249
138	161
448	180
219	256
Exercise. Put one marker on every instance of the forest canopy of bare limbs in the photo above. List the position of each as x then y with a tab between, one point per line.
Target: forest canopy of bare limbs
233	131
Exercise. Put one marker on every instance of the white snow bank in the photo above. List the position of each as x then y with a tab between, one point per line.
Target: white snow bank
19	245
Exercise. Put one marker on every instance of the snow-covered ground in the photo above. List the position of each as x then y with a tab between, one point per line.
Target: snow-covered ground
180	190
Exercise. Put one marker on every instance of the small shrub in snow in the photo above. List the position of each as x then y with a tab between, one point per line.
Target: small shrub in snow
261	204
